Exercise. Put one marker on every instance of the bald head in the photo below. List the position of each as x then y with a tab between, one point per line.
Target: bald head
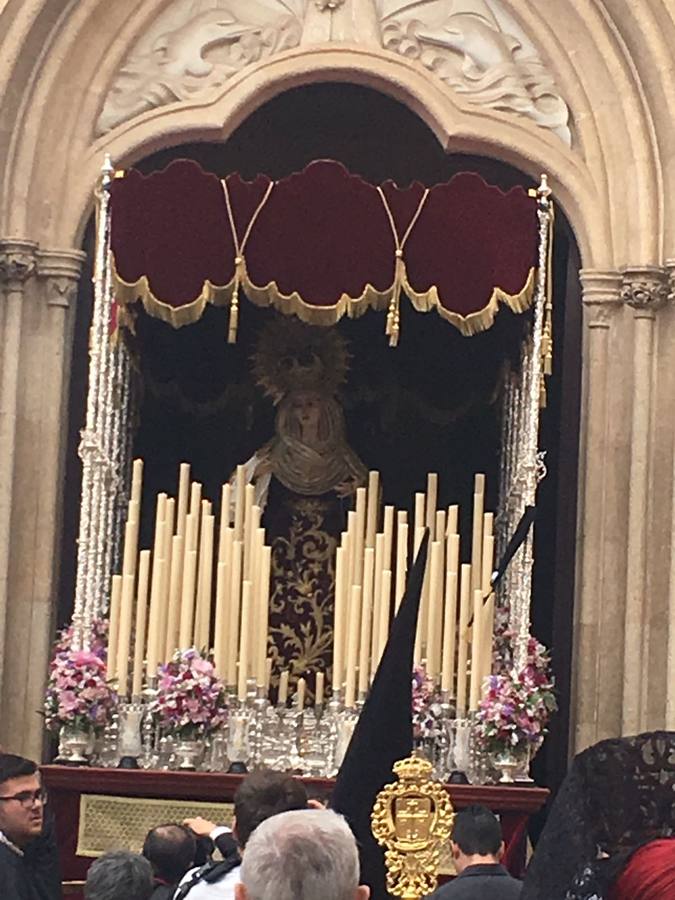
170	850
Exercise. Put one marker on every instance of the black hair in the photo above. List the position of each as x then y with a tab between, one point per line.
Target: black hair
12	766
170	850
262	795
476	830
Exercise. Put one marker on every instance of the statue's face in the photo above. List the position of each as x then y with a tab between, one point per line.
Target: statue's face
307	409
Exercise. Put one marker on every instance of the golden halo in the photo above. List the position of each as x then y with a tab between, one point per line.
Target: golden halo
292	356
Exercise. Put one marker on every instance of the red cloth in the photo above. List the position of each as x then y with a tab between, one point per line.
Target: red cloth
649	874
322	232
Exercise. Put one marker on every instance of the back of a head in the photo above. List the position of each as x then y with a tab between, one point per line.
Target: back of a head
305	855
170	850
477	832
12	766
262	795
120	875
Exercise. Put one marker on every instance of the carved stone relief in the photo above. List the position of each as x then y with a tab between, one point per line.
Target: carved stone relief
480	51
193	47
473	46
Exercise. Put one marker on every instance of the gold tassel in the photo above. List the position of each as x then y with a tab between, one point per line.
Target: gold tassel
393	315
234	303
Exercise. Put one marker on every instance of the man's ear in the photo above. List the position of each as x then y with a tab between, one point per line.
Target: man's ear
362	892
240	892
501	851
455	850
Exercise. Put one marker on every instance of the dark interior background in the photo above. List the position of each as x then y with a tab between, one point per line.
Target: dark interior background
428	405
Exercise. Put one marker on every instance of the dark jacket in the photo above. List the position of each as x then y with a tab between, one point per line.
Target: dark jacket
482	882
35	875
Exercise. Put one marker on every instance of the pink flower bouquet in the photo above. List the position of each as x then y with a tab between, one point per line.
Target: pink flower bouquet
426	707
190	701
77	691
515	711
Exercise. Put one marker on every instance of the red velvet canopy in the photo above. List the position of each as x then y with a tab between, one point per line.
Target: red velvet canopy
321	243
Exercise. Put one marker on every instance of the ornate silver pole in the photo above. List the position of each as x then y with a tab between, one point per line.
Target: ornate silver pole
104	440
522	463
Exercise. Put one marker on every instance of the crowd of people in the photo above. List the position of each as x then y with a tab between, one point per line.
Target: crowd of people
282	846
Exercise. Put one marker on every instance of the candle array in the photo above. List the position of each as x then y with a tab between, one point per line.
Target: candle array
206	584
456	621
198	586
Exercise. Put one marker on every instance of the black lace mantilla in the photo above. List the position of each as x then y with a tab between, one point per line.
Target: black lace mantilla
617	796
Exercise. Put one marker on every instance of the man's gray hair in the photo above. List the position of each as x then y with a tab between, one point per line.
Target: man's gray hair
302	855
120	875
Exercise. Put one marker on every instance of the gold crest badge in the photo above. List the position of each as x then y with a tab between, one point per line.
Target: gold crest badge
411	819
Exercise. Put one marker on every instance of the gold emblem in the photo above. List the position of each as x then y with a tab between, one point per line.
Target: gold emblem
412	819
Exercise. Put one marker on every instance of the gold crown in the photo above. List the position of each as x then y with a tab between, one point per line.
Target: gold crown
292	356
413	769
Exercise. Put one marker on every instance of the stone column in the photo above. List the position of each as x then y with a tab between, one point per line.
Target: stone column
17	265
670	638
644	289
40	441
602	306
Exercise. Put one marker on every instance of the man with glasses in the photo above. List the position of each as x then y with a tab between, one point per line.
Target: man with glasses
28	855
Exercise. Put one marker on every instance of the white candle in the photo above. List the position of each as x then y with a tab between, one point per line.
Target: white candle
220	626
476	651
419	512
435	605
366	619
136	481
175	593
401	561
243	646
388	531
462	655
235	614
300	694
360	534
183	495
431	503
124	642
373	503
385	613
318	694
187	605
377	603
352	646
283	688
477	538
240	484
453	519
339	621
141	621
263	608
449	632
114	625
203	623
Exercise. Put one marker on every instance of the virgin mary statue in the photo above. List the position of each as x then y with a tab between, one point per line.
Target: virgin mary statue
304	479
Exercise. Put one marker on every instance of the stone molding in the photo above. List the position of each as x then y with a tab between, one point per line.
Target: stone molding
17	262
601	296
60	271
644	289
477	49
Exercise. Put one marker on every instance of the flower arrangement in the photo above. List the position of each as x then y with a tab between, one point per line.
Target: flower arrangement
77	691
515	711
190	701
426	706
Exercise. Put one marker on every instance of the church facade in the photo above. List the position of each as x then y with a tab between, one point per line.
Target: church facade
582	91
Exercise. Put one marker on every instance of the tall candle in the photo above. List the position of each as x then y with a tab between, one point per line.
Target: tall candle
263	607
154	622
235	614
203	623
224	521
488	562
165	587
453	519
360	534
220	625
373	503
488	635
239	485
131	540
183	496
401	561
462	654
477	537
251	546
352	646
435	606
114	625
419	512
339	621
136	481
452	553
476	649
187	606
449	632
388	531
175	594
141	621
243	646
318	694
377	602
195	498
366	619
431	503
124	642
385	613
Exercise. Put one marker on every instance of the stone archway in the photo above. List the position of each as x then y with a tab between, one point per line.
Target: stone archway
60	62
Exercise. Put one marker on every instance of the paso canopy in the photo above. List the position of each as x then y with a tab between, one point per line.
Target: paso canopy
321	244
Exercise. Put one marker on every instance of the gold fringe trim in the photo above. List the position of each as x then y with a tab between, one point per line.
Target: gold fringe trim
480	320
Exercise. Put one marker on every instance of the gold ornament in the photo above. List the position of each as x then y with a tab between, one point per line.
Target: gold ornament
292	356
412	819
